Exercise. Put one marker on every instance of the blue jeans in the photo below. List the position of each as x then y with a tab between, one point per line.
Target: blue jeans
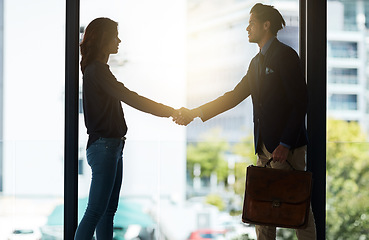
105	159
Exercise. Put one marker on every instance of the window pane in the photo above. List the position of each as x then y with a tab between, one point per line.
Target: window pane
343	102
32	118
218	150
341	49
150	62
343	75
347	129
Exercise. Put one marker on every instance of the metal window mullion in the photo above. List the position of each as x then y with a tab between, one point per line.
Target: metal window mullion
71	119
316	67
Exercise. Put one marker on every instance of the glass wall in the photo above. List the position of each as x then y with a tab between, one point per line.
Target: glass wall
32	118
347	129
151	62
172	51
220	149
177	181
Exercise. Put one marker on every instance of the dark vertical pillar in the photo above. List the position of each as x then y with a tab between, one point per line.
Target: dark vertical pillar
1	91
71	119
302	33
316	65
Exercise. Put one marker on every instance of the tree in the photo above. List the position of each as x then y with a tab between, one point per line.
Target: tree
347	181
245	149
215	200
209	154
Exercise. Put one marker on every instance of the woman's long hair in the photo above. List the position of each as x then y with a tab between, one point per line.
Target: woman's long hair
97	35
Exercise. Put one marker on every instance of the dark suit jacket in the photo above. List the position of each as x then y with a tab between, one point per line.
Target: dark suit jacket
279	98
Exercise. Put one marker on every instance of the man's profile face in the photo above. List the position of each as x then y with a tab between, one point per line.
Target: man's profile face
255	29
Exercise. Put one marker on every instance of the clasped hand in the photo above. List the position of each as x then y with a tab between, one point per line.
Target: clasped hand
183	116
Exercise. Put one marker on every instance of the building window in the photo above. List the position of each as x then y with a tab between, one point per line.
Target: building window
343	102
350	13
342	49
343	75
80	166
80	103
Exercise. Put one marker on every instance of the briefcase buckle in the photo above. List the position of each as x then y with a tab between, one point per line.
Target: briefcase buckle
276	203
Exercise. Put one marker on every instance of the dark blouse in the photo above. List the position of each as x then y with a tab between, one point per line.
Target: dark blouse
102	96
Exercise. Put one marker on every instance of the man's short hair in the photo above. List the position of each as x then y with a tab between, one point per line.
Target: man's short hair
268	13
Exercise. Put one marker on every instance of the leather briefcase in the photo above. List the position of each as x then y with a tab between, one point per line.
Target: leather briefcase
275	197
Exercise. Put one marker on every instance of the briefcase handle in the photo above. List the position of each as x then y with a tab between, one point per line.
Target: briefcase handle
270	160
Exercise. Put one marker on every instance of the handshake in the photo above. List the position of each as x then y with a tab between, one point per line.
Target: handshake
184	116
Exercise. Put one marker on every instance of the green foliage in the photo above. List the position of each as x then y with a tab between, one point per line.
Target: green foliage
244	236
210	155
286	234
245	149
347	181
215	200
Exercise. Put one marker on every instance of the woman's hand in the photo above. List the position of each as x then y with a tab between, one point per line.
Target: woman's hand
183	116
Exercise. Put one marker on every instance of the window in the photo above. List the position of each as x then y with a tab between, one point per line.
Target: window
343	102
80	166
347	133
343	75
33	116
350	13
342	49
80	103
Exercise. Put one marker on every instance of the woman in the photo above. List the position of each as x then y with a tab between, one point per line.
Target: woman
106	126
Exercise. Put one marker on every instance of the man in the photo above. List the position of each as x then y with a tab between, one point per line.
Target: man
279	95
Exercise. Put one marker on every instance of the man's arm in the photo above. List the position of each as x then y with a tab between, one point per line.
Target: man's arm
217	106
223	103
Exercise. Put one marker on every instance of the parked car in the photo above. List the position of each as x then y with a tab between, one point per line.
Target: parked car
25	234
205	234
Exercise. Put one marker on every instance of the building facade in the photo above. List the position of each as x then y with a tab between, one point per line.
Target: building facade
347	61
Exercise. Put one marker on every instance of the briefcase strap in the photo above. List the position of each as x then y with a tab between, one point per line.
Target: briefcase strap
270	160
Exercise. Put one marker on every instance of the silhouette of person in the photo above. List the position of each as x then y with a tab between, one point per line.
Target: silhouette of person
279	95
106	126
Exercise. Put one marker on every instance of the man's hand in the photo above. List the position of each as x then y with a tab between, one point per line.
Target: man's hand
280	154
183	116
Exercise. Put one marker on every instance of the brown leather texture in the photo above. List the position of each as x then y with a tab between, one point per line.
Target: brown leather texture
277	197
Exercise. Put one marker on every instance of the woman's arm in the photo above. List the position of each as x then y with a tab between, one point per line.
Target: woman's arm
116	89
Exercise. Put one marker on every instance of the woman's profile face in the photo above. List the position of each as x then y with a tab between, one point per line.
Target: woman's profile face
113	45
